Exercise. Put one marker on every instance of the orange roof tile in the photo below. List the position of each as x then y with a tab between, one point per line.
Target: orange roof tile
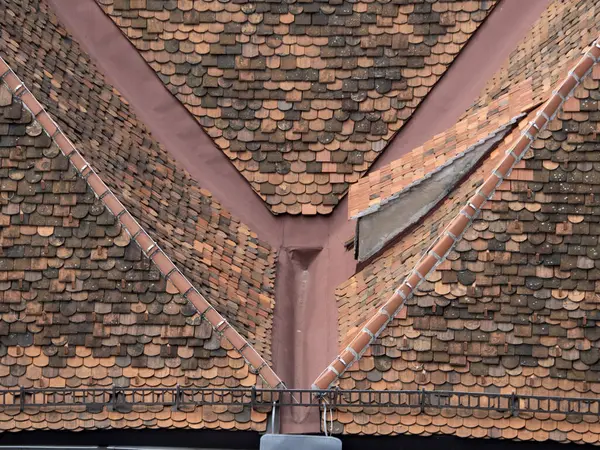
368	290
91	298
554	42
514	307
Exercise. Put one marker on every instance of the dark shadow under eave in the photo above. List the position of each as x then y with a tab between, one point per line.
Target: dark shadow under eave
213	439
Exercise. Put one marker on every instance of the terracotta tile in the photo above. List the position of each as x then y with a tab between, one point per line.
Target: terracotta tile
104	332
110	131
438	151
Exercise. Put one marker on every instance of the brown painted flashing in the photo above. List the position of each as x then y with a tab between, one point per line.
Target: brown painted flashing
453	233
148	246
182	136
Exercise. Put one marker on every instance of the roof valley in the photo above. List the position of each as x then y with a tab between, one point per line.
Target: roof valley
301	97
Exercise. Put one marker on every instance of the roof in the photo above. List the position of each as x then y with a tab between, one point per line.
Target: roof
120	270
554	43
526	79
95	301
90	299
304	97
223	257
500	293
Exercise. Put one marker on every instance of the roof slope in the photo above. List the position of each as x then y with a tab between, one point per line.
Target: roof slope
301	97
225	260
526	79
361	296
554	43
380	227
447	240
514	308
418	181
513	305
88	297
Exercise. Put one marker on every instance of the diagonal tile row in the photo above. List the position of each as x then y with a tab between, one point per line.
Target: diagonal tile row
514	306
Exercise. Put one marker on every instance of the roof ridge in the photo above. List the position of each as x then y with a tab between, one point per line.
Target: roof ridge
453	233
147	245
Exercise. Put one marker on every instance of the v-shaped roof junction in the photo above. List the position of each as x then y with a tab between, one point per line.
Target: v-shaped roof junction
226	261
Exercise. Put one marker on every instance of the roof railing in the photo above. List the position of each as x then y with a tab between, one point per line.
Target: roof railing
431	402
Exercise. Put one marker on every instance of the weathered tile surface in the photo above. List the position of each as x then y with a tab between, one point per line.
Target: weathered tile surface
81	306
557	39
301	96
359	297
225	259
515	306
513	309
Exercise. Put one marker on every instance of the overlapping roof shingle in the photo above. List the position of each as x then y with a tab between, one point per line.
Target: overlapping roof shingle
302	97
524	80
513	306
227	262
513	309
554	42
89	299
415	183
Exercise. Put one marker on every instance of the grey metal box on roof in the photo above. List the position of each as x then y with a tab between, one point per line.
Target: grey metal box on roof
299	442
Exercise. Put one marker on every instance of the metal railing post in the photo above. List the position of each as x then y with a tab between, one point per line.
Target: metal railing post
514	406
22	399
253	398
177	398
112	404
